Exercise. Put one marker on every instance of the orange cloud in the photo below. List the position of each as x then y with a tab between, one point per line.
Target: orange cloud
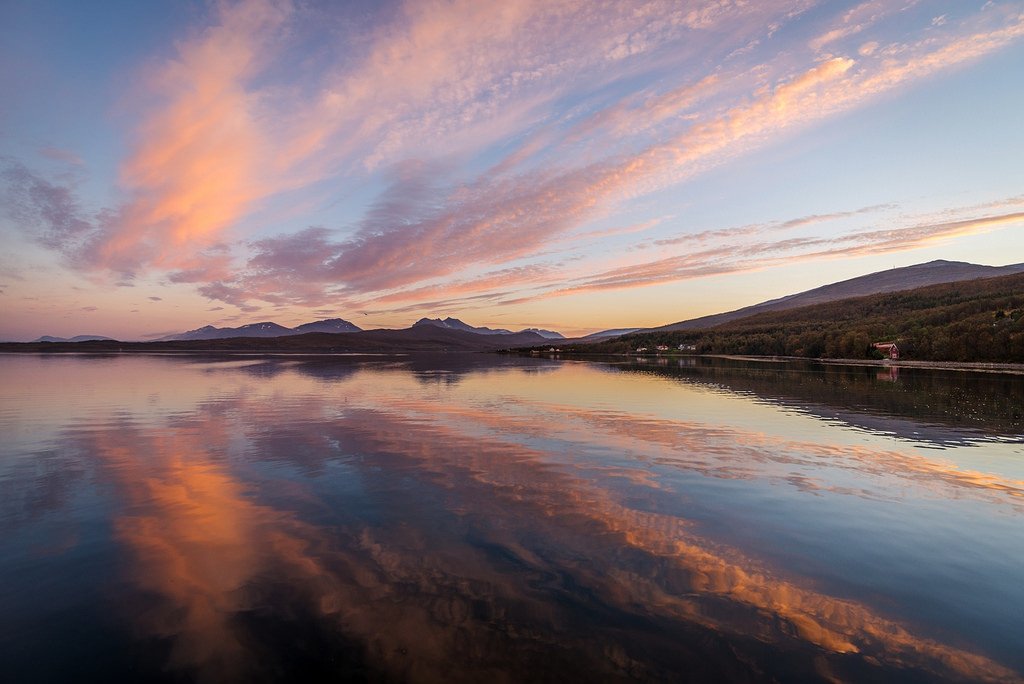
440	83
196	166
859	18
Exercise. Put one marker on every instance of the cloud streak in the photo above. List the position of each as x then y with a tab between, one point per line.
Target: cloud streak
734	258
195	168
416	242
490	146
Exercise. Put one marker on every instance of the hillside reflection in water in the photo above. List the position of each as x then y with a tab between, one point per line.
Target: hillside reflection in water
475	517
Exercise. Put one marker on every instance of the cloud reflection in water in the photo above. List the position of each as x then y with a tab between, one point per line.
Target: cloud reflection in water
363	520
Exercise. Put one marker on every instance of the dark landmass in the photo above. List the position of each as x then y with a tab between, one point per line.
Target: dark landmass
968	321
425	338
892	280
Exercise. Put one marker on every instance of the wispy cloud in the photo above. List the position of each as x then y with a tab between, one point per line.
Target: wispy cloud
51	212
753	255
421	240
195	169
60	155
500	134
859	18
753	229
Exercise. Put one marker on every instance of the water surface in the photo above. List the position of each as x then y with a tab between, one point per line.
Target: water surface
463	518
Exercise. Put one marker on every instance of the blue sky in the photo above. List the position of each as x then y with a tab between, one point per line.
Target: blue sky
571	165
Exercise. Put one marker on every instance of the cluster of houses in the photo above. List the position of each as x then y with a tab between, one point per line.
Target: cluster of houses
890	349
665	348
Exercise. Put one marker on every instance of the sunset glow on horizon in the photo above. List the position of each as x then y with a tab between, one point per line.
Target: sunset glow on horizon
575	166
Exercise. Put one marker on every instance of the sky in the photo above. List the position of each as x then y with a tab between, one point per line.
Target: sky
576	166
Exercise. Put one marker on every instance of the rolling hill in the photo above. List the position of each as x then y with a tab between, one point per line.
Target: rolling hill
892	280
978	320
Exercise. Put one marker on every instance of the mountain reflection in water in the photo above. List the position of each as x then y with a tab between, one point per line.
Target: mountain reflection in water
463	518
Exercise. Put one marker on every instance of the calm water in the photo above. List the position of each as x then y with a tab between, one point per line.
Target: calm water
487	519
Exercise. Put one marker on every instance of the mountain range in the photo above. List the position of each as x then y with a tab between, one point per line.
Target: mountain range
76	338
418	338
263	329
455	324
422	331
334	325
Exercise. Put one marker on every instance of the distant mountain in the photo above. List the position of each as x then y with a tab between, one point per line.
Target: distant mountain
76	338
208	332
263	329
893	280
605	334
546	334
455	324
330	325
339	325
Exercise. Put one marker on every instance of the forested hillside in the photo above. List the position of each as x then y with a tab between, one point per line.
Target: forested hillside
978	320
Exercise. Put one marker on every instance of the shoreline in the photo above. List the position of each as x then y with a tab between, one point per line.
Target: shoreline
977	366
964	366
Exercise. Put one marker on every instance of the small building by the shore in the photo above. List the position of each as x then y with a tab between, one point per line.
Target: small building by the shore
890	349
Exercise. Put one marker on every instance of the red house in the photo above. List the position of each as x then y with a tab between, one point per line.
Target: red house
888	348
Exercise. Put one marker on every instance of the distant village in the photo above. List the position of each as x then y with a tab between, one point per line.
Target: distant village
890	350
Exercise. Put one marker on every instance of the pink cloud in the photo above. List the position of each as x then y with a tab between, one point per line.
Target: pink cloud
195	167
517	277
441	76
405	238
417	240
859	18
223	133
